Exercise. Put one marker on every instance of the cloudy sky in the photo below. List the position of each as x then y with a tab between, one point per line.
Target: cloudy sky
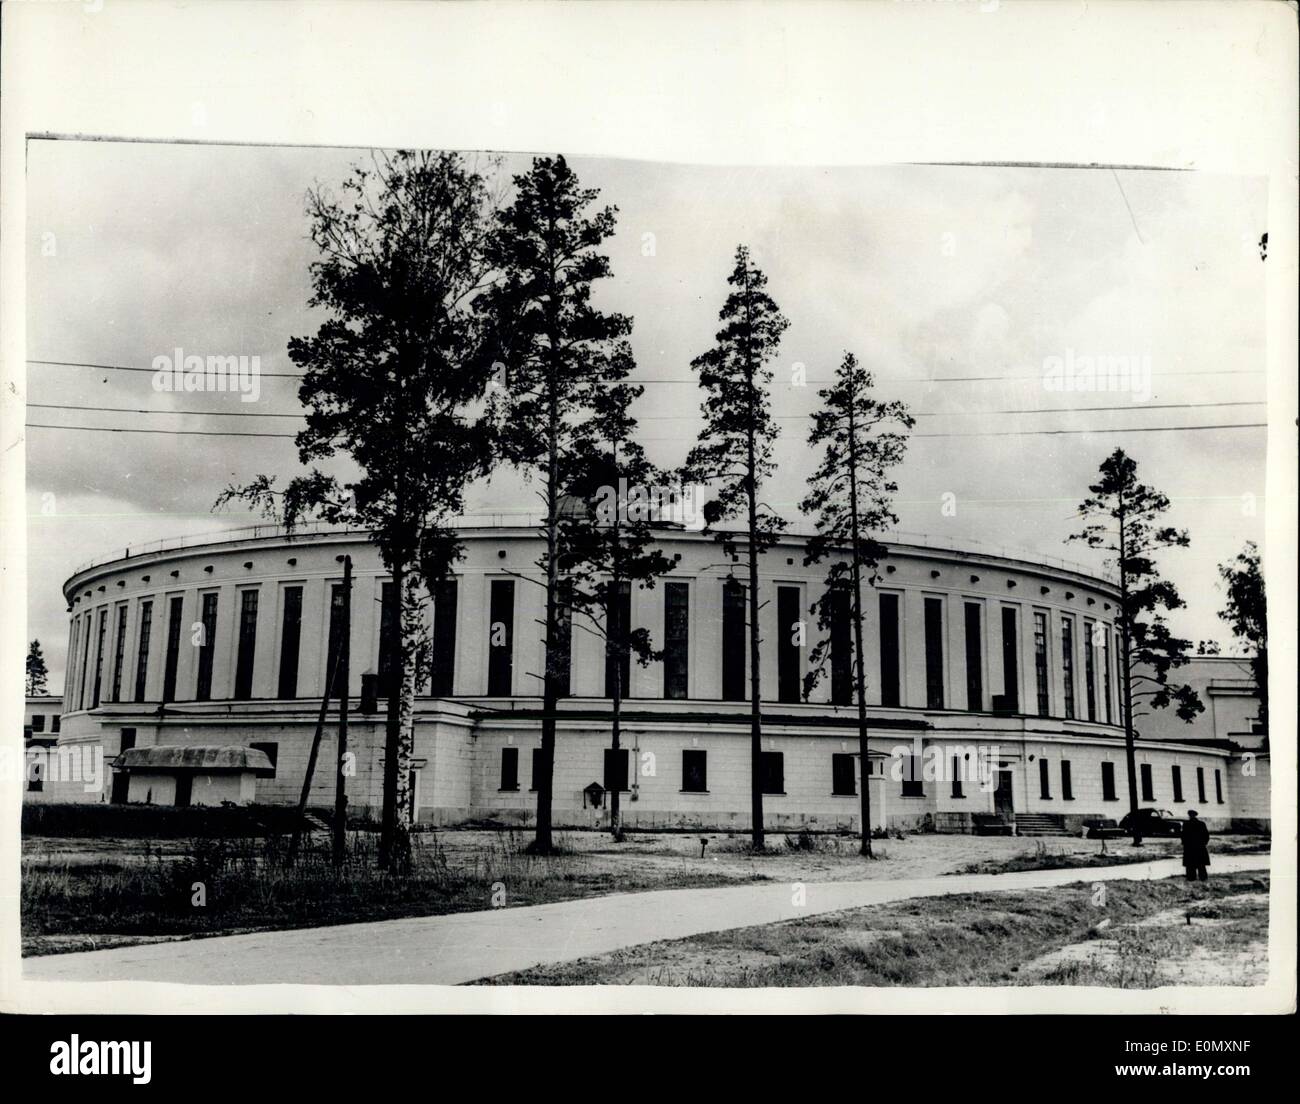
926	272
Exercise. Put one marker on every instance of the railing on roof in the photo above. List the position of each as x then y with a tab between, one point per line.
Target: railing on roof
518	519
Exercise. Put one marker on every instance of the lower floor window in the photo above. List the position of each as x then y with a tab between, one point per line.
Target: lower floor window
843	776
616	763
695	771
509	768
913	785
772	766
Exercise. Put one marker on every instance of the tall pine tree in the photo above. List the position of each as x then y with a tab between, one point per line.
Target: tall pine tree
608	551
734	456
557	354
37	675
850	496
1123	519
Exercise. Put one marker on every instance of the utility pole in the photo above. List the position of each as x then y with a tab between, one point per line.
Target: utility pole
340	782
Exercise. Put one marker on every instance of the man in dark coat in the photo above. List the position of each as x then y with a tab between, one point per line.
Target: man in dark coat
1196	847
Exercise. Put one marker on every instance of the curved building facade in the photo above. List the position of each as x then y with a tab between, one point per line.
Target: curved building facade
992	687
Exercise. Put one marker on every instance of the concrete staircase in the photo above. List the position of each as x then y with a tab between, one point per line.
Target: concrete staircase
1040	824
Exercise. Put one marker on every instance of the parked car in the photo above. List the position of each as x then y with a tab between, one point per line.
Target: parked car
1102	829
1150	823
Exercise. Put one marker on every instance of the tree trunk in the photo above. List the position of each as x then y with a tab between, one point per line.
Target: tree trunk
860	680
1130	754
615	824
339	836
543	843
394	835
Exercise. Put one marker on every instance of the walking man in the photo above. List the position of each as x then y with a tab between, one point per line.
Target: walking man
1196	847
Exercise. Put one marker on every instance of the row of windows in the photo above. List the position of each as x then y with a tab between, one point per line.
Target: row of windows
38	722
694	773
437	677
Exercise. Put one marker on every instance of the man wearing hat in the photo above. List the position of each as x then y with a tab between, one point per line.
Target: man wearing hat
1196	847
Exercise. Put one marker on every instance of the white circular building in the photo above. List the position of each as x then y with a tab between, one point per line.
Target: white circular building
991	680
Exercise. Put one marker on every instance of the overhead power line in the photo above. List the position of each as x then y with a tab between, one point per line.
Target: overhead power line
984	433
1019	377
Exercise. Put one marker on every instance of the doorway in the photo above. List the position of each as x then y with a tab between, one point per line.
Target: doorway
184	790
121	786
1003	804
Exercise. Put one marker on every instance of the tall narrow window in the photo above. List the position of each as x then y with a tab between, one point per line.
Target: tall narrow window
1067	663
616	764
387	669
677	620
563	650
733	641
71	679
1090	669
1040	663
290	637
1218	786
1200	785
207	647
889	688
841	647
99	654
334	640
1108	782
176	606
1067	784
509	768
974	659
442	672
1176	776
789	634
247	645
957	777
119	654
1105	673
501	638
934	653
1010	661
618	623
1148	784
1044	779
85	657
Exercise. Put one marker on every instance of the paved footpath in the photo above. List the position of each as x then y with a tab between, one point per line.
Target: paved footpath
449	950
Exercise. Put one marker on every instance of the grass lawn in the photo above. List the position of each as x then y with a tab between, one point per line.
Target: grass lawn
1140	935
83	893
112	893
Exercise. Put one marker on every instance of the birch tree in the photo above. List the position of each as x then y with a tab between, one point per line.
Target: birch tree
390	381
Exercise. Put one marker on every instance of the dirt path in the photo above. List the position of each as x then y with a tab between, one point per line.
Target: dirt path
452	949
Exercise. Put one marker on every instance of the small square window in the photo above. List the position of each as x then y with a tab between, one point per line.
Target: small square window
695	771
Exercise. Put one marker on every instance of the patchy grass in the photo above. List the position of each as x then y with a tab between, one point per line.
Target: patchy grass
965	940
224	886
1054	853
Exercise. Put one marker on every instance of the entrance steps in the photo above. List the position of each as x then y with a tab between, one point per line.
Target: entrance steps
1040	824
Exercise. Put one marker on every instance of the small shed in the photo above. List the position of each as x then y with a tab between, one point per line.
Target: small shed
195	774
